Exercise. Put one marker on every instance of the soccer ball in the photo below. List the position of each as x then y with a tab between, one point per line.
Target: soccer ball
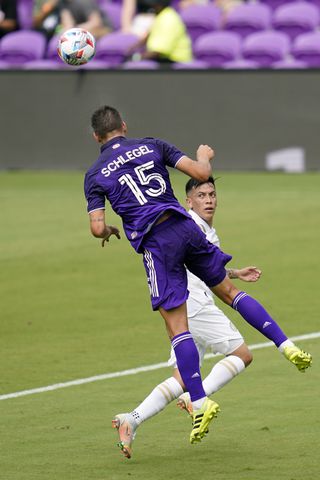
76	46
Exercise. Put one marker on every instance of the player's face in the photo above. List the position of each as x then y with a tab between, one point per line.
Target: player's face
203	201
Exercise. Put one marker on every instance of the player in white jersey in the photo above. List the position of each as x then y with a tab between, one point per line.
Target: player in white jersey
209	326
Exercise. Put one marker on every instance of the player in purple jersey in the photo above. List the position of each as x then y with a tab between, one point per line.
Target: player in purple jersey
132	175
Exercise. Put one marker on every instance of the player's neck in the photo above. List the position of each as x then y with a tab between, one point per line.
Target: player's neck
111	135
208	222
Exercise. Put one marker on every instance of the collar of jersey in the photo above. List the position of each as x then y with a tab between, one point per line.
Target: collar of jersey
111	142
199	221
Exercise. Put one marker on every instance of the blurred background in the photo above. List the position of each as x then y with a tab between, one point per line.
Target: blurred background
243	76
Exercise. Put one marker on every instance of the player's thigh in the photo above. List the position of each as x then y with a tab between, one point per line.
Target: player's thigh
166	273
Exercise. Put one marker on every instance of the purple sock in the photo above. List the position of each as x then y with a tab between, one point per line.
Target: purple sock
258	317
188	364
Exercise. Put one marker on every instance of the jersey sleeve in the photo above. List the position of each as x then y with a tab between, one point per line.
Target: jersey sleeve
171	154
94	194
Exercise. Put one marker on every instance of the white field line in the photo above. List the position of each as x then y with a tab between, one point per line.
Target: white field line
134	371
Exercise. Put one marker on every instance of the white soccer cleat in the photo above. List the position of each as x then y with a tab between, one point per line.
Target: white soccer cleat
127	431
184	403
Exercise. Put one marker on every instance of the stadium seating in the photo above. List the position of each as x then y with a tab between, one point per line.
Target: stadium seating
296	18
306	48
289	64
24	11
201	19
22	46
240	64
194	65
218	48
248	18
274	4
44	65
266	48
141	65
4	65
279	34
113	48
113	12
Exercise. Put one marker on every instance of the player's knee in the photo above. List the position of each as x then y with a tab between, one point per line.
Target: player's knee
226	292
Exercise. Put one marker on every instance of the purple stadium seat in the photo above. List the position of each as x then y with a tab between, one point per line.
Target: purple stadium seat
315	2
22	46
4	65
296	18
289	64
141	65
217	48
265	48
200	19
306	48
24	11
44	65
273	4
113	48
113	12
240	64
248	18
52	53
95	65
193	65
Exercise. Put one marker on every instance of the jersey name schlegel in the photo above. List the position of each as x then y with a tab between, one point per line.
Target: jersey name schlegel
126	157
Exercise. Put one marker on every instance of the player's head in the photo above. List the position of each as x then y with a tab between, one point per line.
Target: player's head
157	5
202	198
107	123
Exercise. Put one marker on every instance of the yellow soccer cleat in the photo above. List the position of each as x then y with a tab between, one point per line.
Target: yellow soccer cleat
302	360
202	418
127	432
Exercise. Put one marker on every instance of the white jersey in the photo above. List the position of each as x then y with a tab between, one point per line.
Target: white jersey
200	294
211	329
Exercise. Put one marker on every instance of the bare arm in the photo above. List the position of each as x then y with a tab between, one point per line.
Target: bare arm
99	229
127	14
67	20
199	169
8	24
45	10
94	21
246	274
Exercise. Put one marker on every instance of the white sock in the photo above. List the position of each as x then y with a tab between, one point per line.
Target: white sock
158	399
222	373
286	343
197	404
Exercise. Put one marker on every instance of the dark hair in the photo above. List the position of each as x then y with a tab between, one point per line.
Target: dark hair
153	3
192	183
104	120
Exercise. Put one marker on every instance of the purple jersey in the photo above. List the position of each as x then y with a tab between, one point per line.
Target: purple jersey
132	175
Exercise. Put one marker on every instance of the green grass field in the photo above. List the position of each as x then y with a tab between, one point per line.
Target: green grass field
70	309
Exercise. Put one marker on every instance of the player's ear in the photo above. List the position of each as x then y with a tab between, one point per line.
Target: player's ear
189	202
96	137
124	127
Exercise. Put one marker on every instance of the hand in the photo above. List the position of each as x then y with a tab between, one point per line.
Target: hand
110	230
249	274
205	152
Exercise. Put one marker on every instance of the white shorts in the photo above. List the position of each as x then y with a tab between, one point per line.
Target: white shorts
212	330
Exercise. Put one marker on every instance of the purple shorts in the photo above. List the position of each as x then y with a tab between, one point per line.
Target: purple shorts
168	248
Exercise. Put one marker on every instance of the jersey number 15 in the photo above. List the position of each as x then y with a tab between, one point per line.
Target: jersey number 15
144	179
